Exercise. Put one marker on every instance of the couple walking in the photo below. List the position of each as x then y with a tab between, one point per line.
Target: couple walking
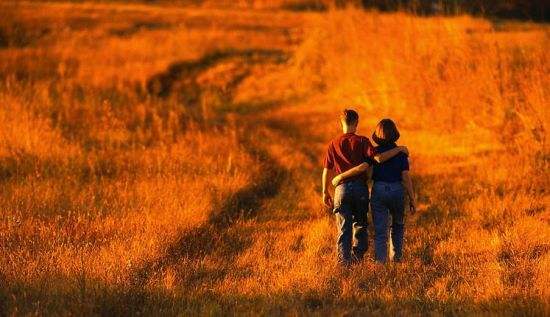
355	159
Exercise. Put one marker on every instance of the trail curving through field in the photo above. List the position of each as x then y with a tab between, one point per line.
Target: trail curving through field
272	138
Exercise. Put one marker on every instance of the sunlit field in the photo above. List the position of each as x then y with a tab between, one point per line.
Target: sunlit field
167	160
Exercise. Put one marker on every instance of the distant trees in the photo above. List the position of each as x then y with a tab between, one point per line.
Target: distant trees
524	9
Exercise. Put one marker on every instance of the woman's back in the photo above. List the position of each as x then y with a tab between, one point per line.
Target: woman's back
391	170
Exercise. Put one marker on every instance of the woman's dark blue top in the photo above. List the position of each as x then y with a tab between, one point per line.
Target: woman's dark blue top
390	170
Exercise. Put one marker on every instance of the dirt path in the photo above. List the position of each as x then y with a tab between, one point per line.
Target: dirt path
207	256
212	237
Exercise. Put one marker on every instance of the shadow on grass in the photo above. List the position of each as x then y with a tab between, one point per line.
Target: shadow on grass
181	78
107	300
139	26
214	237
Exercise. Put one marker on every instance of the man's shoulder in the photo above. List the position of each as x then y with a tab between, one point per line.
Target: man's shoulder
336	139
355	137
363	139
331	143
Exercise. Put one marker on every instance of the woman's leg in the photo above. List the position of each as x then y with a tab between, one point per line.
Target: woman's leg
397	210
380	221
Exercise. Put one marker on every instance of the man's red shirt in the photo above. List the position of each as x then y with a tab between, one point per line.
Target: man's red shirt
348	151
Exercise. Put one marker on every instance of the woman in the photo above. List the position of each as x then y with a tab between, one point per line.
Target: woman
391	178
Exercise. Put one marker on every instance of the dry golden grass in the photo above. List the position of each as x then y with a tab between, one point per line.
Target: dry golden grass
164	160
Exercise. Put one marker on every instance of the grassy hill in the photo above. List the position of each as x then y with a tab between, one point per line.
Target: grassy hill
164	160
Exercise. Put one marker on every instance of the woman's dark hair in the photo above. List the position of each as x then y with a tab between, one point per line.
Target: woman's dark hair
350	116
385	132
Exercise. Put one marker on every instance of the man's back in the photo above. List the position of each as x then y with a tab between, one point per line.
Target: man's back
347	151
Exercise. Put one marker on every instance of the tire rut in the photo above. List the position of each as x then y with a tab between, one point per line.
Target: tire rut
212	236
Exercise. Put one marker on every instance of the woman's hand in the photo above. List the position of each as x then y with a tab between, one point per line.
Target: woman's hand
336	180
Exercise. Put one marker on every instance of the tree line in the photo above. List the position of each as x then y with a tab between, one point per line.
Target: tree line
519	9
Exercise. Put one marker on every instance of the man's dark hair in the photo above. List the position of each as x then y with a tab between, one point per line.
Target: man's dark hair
385	132
350	116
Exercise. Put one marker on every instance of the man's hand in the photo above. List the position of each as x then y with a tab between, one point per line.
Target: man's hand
404	149
327	200
336	180
412	206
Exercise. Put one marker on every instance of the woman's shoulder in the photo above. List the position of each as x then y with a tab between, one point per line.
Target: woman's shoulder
385	147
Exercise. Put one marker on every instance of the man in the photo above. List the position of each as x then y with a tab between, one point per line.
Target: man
351	198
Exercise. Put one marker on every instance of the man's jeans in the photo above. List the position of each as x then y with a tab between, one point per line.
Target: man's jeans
387	199
351	201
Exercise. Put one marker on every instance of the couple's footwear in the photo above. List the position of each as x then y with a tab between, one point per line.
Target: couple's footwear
355	260
396	260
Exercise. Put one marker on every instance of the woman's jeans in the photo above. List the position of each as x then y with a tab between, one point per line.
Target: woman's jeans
351	201
387	199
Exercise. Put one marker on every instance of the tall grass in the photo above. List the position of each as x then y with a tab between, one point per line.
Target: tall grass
459	71
472	104
120	200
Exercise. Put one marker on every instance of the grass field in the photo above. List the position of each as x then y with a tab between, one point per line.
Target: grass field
167	160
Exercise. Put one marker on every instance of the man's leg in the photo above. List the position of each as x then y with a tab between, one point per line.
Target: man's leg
345	230
360	233
344	220
360	236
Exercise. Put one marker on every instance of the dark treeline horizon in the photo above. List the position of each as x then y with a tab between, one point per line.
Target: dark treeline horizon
536	10
516	9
